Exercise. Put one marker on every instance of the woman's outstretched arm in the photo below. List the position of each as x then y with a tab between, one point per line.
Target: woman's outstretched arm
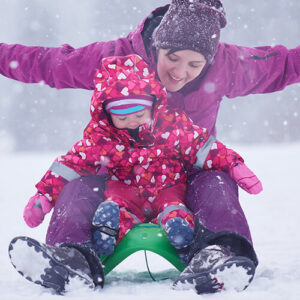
59	67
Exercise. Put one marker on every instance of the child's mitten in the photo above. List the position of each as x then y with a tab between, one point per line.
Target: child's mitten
36	209
245	178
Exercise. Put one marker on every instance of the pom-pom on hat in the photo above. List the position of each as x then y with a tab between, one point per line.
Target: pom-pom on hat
125	85
191	25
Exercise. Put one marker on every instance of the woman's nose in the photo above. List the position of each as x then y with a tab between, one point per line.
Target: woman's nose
179	71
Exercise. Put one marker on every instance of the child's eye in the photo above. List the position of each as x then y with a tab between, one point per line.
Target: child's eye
122	119
140	116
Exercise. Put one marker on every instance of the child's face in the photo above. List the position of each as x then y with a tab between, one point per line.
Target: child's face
132	121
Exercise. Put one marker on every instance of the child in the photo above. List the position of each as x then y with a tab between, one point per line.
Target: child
147	149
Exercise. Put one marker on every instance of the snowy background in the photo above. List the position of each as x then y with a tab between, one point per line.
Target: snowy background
38	123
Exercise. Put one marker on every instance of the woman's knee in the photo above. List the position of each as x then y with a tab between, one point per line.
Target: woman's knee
211	190
73	212
88	187
211	179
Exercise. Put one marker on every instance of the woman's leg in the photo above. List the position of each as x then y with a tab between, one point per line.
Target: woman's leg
71	220
221	255
213	198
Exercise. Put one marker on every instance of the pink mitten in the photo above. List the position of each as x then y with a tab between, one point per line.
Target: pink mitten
36	209
245	178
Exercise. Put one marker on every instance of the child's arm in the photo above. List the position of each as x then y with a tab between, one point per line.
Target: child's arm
203	151
85	158
81	160
223	159
77	162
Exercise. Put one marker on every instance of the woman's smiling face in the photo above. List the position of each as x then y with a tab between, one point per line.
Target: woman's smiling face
176	69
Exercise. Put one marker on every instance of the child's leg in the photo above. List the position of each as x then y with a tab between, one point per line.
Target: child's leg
174	217
113	217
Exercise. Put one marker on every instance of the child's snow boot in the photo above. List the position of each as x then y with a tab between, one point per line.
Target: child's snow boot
106	227
56	267
215	268
180	235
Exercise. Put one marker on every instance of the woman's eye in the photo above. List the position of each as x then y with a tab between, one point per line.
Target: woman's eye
172	58
195	66
140	116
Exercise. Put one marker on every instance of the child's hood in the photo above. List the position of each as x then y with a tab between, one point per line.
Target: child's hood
124	77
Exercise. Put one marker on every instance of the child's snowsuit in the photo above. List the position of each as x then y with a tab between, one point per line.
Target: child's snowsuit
148	175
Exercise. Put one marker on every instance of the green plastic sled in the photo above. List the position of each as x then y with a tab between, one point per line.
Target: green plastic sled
149	237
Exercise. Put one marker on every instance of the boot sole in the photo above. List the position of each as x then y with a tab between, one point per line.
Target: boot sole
237	273
32	261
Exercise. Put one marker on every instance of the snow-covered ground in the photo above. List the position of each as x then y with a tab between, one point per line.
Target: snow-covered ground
273	217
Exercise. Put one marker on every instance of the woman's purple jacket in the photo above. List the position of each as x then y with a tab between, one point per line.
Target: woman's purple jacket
236	71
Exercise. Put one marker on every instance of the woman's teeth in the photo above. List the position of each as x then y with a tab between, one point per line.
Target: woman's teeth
175	78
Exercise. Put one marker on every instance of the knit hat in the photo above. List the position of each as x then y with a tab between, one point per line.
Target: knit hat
191	25
124	85
126	106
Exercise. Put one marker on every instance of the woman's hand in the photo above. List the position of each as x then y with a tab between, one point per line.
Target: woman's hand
245	178
36	209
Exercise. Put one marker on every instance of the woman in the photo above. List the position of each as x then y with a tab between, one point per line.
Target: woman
180	42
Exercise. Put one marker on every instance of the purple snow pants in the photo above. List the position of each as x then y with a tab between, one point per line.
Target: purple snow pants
212	196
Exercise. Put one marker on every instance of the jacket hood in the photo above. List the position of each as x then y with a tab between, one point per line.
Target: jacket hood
141	37
123	77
